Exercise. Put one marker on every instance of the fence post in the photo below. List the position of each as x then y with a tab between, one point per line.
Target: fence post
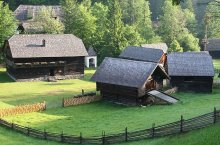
61	136
214	115
181	124
153	130
28	131
63	105
82	92
103	137
126	134
80	138
12	125
45	134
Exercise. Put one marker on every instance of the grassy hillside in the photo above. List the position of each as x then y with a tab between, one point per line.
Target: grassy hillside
216	63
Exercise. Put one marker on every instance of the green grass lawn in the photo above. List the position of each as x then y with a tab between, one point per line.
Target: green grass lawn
92	119
15	93
216	63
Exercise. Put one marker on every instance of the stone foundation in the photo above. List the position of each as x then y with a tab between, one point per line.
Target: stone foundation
45	78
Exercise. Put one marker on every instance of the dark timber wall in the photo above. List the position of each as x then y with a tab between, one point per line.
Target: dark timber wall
215	54
195	84
115	93
72	66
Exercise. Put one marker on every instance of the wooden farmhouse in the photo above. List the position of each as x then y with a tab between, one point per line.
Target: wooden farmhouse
34	57
213	47
144	54
26	15
126	81
191	71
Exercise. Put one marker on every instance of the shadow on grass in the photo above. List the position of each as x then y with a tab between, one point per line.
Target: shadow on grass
4	78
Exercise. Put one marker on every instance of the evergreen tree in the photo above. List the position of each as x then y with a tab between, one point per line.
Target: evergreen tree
78	20
173	26
115	37
213	19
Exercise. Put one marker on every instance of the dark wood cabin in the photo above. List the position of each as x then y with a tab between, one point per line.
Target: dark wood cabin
26	14
126	81
34	57
213	47
191	71
144	54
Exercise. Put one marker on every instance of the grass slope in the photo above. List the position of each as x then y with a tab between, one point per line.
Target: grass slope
15	93
92	119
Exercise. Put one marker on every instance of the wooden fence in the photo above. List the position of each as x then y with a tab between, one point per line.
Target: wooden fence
177	127
23	109
81	99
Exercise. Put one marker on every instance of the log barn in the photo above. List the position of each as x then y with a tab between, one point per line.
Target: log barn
126	81
213	47
191	71
34	57
144	54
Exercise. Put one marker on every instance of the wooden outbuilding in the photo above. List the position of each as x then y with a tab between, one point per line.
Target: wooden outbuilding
127	81
191	71
34	57
213	47
144	54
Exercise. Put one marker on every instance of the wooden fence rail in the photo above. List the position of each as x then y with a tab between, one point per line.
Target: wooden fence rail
177	127
22	109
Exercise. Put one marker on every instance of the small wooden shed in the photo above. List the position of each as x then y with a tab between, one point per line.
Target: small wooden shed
213	47
144	54
126	81
191	71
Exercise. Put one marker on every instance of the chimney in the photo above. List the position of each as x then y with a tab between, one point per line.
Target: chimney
43	43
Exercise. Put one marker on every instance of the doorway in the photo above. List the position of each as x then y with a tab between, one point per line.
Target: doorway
52	73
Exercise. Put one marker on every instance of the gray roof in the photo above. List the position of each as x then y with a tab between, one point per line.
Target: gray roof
213	44
92	52
57	45
190	64
142	53
21	13
124	72
162	46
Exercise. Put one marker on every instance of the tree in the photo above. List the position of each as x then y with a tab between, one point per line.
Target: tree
175	47
173	27
8	25
213	19
49	24
115	37
78	20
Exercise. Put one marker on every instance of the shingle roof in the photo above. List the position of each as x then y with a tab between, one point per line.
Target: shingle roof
21	13
57	45
142	53
91	52
190	64
162	46
213	45
124	72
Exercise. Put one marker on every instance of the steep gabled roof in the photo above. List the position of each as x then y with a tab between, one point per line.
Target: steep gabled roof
162	46
213	44
190	64
142	54
56	45
22	12
91	52
124	72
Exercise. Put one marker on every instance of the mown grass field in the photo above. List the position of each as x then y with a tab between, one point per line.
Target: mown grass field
216	63
15	93
92	119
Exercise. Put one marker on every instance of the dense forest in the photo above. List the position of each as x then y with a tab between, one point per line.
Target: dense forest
111	25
